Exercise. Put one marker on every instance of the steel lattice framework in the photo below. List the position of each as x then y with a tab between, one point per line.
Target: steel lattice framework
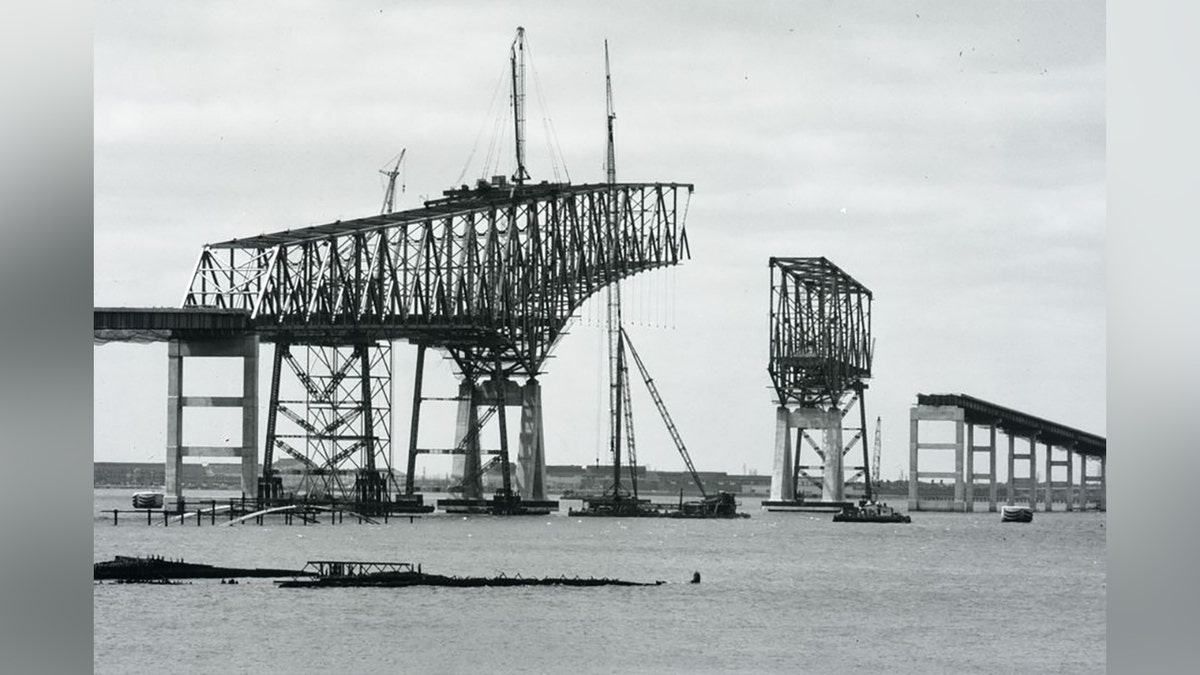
338	426
821	343
492	274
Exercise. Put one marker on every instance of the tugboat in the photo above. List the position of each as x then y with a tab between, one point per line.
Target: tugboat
870	512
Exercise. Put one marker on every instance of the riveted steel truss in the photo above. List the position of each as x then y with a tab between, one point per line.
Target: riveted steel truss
490	274
821	344
334	419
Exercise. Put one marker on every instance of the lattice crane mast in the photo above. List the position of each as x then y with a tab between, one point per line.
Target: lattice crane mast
662	410
389	196
876	452
616	350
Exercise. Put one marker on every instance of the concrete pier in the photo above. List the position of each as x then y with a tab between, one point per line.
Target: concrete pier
1064	485
466	436
924	413
786	466
782	477
989	452
1063	448
1027	485
833	484
531	453
1092	484
245	348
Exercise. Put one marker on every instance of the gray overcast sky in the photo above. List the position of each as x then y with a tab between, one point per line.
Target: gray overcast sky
950	156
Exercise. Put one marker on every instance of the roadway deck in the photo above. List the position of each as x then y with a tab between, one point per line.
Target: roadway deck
1020	424
160	324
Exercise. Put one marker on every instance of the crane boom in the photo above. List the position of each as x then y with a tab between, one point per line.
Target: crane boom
518	98
613	324
630	443
877	451
662	410
389	196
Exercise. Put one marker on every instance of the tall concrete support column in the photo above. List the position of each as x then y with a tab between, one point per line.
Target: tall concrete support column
466	436
913	443
1010	491
532	453
970	487
936	413
992	468
174	468
833	487
969	492
1104	483
959	487
782	472
1071	478
250	415
1085	484
1031	457
1049	493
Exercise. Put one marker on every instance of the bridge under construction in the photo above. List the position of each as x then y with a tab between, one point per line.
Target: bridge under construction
490	274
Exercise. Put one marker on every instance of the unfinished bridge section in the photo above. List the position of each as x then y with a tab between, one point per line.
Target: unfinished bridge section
491	274
974	478
820	360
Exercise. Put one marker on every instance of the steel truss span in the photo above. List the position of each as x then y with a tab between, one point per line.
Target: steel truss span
821	344
491	274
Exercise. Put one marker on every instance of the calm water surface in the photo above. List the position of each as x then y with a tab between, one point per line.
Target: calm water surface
781	593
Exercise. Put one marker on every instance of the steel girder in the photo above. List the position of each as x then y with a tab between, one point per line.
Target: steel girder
489	274
821	345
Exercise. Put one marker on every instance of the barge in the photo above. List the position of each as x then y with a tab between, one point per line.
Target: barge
720	505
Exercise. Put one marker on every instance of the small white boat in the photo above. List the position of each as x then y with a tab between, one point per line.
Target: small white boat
1016	514
147	500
